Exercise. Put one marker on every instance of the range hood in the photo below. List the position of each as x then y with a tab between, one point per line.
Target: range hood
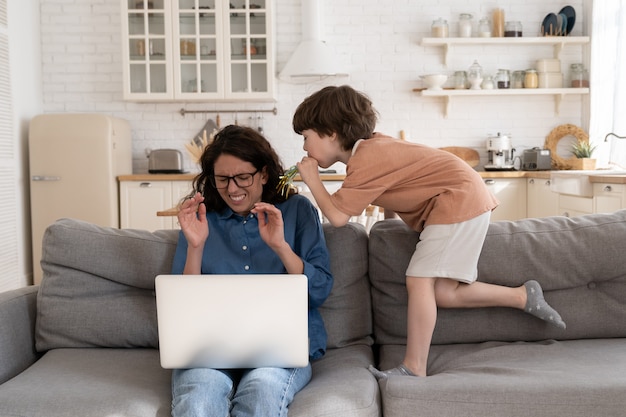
313	59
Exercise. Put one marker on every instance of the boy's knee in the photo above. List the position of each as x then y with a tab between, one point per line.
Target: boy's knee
445	293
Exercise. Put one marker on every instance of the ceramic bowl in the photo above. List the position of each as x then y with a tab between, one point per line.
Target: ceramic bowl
434	81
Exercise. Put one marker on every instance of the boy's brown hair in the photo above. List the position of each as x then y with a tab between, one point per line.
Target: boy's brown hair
341	110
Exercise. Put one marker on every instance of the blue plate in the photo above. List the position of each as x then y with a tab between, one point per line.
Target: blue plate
563	20
570	13
549	26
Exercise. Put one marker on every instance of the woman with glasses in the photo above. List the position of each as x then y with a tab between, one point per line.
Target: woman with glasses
236	221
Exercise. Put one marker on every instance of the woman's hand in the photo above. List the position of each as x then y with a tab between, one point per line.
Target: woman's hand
271	227
272	231
192	220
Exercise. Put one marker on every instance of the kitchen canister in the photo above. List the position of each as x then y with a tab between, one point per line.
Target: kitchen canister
579	78
530	78
465	25
488	83
484	28
439	28
460	80
498	23
550	79
517	79
513	29
503	79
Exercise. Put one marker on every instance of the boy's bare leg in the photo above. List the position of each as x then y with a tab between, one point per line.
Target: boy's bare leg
421	319
527	297
455	294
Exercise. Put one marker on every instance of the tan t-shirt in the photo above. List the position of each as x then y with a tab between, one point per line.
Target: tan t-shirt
423	185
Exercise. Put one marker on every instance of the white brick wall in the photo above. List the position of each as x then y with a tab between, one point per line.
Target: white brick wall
378	40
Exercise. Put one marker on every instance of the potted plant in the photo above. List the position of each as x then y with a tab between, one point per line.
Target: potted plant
582	151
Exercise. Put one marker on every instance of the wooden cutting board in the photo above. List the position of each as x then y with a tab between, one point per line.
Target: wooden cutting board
469	155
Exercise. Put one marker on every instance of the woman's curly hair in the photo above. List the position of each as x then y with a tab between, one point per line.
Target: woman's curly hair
248	145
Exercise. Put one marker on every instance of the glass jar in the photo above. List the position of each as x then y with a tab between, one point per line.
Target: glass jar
488	83
484	28
503	79
513	29
475	76
578	76
460	80
530	79
517	79
465	25
439	29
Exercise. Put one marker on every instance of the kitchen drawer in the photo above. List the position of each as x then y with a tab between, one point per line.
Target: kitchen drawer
573	206
608	198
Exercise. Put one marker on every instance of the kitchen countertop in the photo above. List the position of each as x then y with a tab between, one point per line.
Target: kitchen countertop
610	179
327	177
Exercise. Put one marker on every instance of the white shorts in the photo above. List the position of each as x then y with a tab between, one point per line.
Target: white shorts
450	250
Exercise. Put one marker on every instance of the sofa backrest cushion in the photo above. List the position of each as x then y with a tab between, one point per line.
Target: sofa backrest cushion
578	261
347	312
98	285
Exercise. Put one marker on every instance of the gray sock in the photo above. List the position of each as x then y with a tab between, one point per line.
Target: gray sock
538	307
399	370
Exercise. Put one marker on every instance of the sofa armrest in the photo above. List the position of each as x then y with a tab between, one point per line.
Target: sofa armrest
18	309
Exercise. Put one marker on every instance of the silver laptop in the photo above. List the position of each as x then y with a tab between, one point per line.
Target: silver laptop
232	321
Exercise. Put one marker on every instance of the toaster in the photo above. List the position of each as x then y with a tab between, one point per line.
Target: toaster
536	159
165	161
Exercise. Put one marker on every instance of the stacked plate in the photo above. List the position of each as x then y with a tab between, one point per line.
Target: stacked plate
559	24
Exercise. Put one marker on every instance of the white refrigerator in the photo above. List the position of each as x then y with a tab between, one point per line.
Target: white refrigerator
75	159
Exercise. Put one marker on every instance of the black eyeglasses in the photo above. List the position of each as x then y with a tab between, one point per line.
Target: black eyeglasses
241	180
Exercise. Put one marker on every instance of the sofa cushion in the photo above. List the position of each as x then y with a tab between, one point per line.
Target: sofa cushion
572	378
341	386
578	261
90	383
98	285
347	312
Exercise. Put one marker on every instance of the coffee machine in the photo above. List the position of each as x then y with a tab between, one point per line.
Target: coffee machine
500	153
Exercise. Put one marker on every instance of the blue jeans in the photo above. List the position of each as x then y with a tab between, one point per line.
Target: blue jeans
203	392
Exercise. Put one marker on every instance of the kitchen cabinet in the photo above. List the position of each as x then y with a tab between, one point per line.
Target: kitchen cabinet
541	201
198	50
608	198
557	42
140	200
511	192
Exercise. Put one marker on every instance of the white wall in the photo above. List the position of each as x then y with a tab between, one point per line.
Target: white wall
378	40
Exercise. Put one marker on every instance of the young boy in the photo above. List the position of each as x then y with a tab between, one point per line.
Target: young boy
432	191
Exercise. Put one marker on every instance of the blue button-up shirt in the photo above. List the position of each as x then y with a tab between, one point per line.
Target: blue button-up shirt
234	246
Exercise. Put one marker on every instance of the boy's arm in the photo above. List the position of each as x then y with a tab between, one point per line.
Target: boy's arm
335	216
311	177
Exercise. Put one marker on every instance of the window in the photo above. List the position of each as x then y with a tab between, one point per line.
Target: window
608	84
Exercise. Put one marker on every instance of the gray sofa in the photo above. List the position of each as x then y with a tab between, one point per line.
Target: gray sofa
84	343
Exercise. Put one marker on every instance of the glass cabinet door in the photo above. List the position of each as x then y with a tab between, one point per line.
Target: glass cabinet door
147	49
249	53
198	48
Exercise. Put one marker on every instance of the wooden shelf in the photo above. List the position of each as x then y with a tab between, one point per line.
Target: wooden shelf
558	94
558	42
